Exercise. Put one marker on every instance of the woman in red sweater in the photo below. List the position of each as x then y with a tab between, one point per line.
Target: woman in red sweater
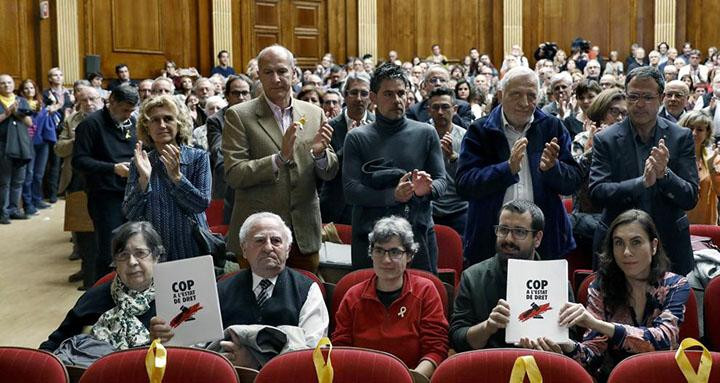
394	311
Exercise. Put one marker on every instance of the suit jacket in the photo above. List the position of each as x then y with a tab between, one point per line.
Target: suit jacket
616	185
332	198
250	139
483	177
464	116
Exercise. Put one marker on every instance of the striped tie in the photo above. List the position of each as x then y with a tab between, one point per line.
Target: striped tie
263	296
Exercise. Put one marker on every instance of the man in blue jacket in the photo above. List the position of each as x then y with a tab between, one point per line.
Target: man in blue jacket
517	152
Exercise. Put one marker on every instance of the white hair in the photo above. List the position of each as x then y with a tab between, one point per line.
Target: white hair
252	220
517	72
560	77
215	100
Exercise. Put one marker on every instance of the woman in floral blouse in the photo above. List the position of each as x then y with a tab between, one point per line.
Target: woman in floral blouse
635	305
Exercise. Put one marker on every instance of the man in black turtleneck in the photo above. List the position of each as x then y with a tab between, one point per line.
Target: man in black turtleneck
405	147
104	144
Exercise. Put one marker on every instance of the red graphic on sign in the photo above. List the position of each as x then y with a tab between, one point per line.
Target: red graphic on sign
186	314
534	311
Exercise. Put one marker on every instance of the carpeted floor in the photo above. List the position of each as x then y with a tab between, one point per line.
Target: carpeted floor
34	266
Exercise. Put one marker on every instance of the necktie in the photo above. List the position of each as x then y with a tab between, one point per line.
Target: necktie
263	296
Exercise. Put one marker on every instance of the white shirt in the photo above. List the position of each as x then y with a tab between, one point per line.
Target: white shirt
523	189
349	121
314	318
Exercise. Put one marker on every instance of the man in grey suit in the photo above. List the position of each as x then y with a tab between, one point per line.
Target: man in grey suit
647	163
274	147
356	91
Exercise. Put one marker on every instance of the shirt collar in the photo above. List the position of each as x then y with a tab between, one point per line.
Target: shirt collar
506	124
349	120
276	109
256	280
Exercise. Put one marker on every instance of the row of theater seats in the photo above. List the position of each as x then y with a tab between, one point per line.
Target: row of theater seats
188	365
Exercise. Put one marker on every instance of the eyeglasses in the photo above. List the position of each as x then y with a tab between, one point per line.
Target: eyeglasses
517	232
123	256
439	80
395	253
617	112
358	92
633	98
240	93
675	95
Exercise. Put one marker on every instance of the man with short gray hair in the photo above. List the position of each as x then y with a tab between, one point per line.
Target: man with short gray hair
517	152
674	99
437	76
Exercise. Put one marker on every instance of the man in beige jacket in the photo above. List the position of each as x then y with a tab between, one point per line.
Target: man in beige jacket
275	147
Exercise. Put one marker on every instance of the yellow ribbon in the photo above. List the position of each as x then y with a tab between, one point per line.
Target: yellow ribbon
703	373
525	365
323	369
155	361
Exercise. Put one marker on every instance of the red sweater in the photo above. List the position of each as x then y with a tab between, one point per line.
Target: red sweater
421	332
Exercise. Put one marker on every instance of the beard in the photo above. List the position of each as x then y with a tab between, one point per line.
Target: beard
510	250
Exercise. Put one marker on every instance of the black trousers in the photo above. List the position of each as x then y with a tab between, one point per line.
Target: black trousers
52	174
105	209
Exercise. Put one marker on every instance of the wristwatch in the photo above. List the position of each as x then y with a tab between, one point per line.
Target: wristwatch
282	160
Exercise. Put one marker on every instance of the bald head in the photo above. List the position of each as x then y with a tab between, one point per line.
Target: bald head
274	53
675	97
275	71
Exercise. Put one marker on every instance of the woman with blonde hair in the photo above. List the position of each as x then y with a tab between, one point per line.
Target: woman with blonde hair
168	186
706	157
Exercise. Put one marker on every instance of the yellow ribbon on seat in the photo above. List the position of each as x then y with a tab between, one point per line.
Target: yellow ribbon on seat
155	361
323	369
525	365
702	375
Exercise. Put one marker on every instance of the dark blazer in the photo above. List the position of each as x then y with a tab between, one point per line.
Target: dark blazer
333	207
464	116
214	126
484	175
616	185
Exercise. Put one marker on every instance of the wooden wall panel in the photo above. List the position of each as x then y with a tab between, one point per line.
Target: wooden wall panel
301	26
20	38
411	27
701	28
610	24
178	31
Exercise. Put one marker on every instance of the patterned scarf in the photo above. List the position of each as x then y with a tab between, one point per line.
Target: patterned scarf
120	326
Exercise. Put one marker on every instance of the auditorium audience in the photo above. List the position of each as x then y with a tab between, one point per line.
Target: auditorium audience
169	186
119	311
394	311
635	305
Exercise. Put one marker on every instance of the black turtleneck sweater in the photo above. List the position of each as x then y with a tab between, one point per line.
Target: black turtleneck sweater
99	144
410	145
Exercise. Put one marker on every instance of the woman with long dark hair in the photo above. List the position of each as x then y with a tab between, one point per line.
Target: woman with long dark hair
635	305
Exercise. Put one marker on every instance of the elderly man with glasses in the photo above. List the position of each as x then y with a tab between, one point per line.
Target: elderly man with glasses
647	163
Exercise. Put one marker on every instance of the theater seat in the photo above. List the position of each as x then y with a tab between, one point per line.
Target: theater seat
350	365
660	366
184	365
712	314
495	366
25	365
214	212
450	257
711	231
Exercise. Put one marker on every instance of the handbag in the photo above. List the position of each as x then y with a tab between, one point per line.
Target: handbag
210	243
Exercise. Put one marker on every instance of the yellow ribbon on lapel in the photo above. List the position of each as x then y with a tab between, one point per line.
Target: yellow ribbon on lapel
323	369
155	361
525	365
703	372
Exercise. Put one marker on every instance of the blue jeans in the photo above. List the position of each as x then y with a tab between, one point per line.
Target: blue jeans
32	187
12	176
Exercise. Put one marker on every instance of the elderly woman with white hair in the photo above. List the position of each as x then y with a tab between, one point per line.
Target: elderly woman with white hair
394	311
168	186
199	134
